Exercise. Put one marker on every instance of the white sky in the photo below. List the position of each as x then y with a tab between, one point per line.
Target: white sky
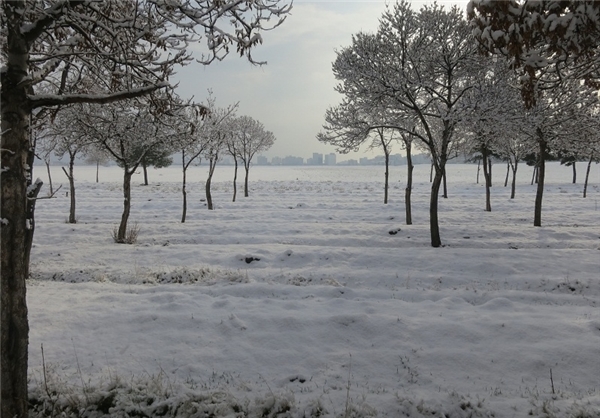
290	94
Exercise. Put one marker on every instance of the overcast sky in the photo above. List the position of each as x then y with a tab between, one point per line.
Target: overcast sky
290	94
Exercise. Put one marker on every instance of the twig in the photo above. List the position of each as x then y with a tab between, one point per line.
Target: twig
552	381
44	369
80	373
53	402
50	196
347	413
267	383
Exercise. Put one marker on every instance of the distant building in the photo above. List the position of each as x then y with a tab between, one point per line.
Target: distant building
317	159
276	161
290	160
330	159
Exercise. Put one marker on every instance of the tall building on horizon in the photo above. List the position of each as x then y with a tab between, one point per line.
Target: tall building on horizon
317	159
330	159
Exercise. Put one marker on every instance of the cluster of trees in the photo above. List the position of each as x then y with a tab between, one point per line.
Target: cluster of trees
134	134
514	82
57	53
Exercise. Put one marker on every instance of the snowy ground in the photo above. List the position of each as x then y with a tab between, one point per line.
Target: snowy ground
333	315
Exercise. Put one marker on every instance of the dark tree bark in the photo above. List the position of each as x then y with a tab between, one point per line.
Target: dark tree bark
183	187
534	175
478	169
409	181
537	218
587	175
16	223
209	203
145	169
235	173
507	173
574	173
71	176
487	177
431	173
247	167
122	233
445	195
97	170
434	226
212	164
387	177
513	186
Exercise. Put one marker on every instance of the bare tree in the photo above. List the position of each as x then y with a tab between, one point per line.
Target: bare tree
189	140
417	62
217	132
97	156
157	157
68	141
231	146
491	105
45	145
552	123
127	49
193	125
251	139
126	131
352	123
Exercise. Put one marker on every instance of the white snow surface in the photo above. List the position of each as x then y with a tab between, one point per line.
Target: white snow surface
333	315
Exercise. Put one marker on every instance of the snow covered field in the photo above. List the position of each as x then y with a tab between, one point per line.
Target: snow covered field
297	301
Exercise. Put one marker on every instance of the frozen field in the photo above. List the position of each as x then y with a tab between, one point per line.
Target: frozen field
298	302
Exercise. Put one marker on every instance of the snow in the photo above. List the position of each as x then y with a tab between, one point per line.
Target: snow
300	298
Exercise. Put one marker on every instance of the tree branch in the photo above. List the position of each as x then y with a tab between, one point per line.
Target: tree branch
42	100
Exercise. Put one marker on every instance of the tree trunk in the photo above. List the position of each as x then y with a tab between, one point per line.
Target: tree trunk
122	233
574	173
97	170
16	221
47	162
513	186
212	163
387	178
183	190
409	180
70	175
587	175
534	174
507	173
145	173
433	208
488	182
247	167
235	172
478	169
431	173
490	169
537	218
208	195
445	195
